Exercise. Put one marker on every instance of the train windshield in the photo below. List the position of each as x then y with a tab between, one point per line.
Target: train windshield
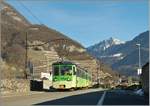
66	70
56	70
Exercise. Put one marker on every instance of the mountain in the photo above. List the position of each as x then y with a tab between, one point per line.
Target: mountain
105	49
101	47
45	46
123	57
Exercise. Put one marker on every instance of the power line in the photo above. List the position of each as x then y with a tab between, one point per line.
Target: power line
25	7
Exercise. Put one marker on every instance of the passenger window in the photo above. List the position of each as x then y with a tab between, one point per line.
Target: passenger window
74	71
78	73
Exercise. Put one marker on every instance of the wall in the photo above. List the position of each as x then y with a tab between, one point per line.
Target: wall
145	78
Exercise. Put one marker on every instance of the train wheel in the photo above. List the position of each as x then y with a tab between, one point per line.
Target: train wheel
87	87
72	89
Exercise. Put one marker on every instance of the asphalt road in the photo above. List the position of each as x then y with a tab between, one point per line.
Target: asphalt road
122	97
79	97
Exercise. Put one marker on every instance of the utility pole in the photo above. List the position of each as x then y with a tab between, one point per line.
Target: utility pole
0	52
97	72
0	34
26	53
97	75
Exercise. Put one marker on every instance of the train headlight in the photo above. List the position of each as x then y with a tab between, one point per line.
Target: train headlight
55	79
68	79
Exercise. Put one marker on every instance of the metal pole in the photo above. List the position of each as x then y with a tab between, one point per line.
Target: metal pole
26	55
47	63
139	57
139	69
97	75
33	72
99	70
26	52
1	102
0	35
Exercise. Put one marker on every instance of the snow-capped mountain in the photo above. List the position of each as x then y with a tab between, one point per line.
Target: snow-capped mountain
108	43
115	41
122	56
101	47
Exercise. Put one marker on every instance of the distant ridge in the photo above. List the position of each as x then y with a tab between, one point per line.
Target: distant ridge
124	56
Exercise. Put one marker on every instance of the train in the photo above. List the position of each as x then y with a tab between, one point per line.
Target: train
68	75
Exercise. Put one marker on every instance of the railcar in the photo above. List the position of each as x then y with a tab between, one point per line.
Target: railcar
67	75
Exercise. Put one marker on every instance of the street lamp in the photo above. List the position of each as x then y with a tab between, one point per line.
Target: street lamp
26	46
139	71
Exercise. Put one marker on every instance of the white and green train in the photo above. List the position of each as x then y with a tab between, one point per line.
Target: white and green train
67	75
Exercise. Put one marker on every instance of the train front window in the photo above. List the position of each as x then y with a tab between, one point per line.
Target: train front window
66	70
56	70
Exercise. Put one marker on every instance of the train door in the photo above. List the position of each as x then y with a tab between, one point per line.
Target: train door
75	76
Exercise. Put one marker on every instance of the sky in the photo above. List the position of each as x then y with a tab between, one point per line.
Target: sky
88	21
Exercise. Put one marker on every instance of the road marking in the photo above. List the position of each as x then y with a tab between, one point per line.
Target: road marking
100	102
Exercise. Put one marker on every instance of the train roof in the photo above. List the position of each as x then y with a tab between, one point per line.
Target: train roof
64	63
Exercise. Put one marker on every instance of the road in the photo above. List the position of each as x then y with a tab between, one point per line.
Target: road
79	97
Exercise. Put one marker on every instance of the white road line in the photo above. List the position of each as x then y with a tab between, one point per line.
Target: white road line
100	102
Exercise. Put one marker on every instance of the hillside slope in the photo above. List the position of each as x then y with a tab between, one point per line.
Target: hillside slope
45	46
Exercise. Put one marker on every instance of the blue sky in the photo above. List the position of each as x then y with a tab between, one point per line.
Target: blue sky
89	21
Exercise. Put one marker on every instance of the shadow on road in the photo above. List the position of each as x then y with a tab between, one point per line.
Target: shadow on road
112	97
124	97
80	99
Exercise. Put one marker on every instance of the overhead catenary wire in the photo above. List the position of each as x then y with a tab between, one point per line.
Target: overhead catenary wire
39	21
33	15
